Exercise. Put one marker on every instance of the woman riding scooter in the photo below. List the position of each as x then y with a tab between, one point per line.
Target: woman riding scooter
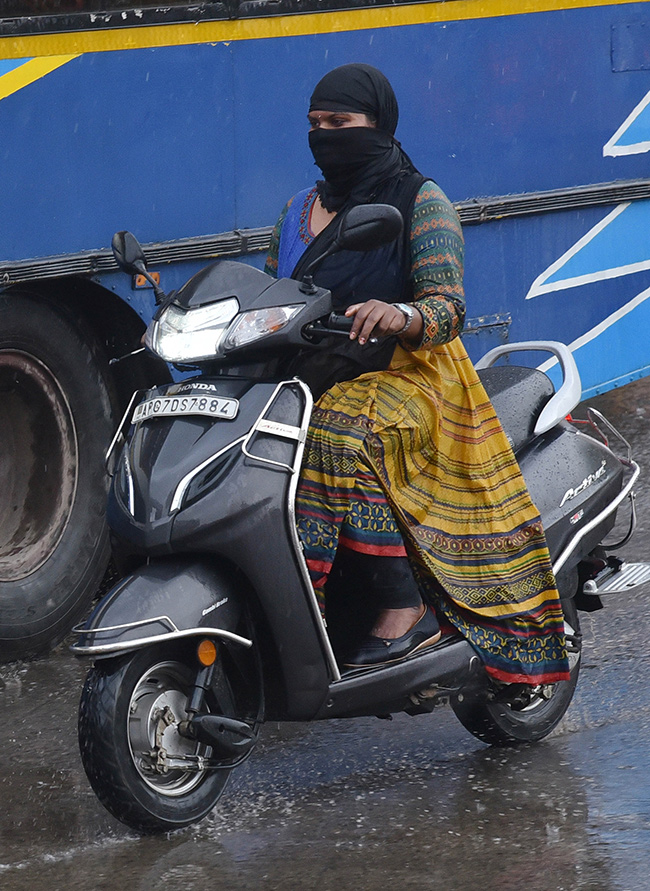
408	481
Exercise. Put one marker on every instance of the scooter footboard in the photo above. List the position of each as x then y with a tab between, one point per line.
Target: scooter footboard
165	600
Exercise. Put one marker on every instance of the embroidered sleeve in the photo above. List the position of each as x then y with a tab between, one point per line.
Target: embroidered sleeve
271	265
437	256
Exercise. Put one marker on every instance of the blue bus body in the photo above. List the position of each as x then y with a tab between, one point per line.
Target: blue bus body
184	141
532	115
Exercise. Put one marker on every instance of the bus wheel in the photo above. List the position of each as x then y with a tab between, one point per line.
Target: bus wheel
55	423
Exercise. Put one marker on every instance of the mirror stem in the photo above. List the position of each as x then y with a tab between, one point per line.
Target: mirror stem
158	293
307	285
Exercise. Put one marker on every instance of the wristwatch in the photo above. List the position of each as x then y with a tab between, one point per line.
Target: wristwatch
408	312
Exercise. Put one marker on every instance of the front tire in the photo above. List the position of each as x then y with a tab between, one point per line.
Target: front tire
129	715
514	714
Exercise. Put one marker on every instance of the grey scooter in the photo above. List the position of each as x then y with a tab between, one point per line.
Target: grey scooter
216	627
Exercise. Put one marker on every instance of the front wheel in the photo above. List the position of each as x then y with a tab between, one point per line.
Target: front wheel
140	765
516	713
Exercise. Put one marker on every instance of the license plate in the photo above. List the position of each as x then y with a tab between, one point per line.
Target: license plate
175	406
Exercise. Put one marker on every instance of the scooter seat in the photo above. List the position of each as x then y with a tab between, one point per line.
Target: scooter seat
518	395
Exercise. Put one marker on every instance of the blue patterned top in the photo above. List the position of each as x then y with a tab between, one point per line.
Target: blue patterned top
437	257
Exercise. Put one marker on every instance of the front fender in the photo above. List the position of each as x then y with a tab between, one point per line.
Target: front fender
165	600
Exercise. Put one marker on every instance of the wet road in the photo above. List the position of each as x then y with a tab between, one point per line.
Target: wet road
366	804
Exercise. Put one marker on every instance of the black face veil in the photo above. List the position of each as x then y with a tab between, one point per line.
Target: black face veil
356	161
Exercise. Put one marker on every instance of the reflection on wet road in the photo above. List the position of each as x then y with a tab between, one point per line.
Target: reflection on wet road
415	803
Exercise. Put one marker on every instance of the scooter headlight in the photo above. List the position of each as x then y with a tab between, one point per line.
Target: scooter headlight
190	335
253	325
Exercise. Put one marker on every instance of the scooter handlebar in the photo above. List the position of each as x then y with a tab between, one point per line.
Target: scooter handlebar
336	321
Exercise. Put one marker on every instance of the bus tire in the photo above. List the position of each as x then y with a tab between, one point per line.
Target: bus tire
55	424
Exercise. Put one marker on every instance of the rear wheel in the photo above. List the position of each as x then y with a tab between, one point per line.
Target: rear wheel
508	714
140	765
56	422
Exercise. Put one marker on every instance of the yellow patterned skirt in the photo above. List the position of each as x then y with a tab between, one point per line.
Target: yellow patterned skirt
414	460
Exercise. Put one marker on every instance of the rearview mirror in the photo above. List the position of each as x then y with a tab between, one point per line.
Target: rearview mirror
130	257
128	253
369	226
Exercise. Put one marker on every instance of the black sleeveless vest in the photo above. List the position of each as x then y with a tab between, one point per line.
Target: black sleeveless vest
354	277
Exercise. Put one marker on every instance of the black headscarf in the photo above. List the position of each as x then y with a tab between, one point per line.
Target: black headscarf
360	89
356	161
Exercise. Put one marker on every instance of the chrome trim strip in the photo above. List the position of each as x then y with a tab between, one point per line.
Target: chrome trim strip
295	539
164	620
131	485
256	429
100	649
121	426
206	248
182	487
239	242
485	210
559	563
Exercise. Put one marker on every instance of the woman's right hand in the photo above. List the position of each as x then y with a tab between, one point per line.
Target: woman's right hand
374	318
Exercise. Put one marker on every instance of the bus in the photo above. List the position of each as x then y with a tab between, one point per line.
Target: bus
186	123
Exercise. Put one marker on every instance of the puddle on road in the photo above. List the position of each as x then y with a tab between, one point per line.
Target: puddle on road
357	804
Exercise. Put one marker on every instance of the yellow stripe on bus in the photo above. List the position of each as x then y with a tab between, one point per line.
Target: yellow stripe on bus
103	40
31	71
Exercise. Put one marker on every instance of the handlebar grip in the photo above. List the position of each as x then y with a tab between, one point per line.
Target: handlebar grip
338	322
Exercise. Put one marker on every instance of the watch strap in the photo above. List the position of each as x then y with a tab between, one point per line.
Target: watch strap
409	312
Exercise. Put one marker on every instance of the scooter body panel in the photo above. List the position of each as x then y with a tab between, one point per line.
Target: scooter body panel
166	599
447	668
572	479
234	501
163	451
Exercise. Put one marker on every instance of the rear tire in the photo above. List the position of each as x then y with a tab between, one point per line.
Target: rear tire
56	421
506	723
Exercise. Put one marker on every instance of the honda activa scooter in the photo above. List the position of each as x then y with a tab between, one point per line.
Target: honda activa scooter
216	627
